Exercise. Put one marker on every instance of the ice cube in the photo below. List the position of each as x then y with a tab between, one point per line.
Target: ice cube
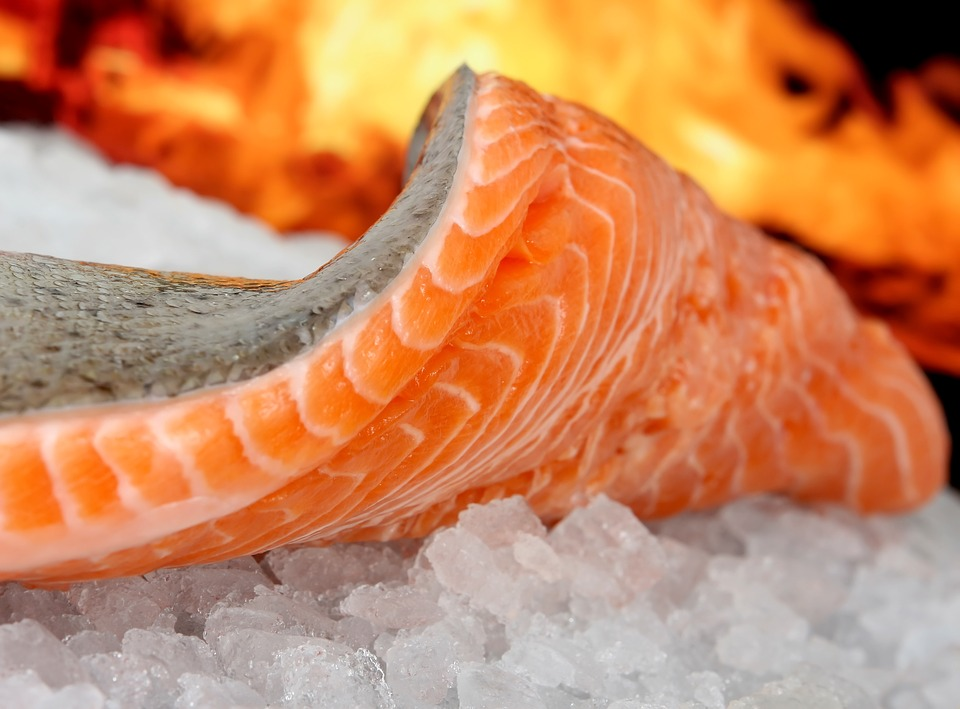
26	689
607	553
326	569
394	608
92	642
500	522
554	661
465	565
331	676
421	666
117	605
534	553
173	653
27	645
482	686
285	667
790	693
205	692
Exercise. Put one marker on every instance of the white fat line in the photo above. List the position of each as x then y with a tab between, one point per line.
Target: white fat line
586	461
488	108
394	522
416	434
423	485
523	439
532	120
196	482
465	462
736	477
635	264
319	524
609	269
761	407
693	460
349	348
419	484
678	453
637	332
231	545
575	390
923	413
583	144
639	449
69	507
886	418
610	354
570	367
130	495
297	371
664	284
412	499
472	457
608	363
473	406
652	491
469	452
829	434
598	361
221	539
482	178
530	402
406	334
601	289
484	175
273	467
95	540
301	534
800	280
516	359
479	231
895	382
606	177
928	423
584	392
564	366
419	436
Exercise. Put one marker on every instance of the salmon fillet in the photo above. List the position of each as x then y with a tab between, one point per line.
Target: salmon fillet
547	309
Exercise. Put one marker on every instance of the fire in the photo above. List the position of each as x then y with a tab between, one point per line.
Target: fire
212	95
297	110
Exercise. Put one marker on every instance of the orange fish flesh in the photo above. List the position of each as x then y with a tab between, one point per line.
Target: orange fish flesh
547	309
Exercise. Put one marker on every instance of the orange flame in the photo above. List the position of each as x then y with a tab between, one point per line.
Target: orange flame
296	111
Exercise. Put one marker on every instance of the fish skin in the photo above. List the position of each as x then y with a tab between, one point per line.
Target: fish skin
579	319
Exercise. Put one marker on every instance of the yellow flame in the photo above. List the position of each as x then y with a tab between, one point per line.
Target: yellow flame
15	46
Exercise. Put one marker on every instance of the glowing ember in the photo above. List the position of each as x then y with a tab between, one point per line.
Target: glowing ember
296	111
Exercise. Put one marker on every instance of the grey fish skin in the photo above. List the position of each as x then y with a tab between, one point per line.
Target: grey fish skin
75	333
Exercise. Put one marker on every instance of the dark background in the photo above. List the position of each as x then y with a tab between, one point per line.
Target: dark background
893	36
888	38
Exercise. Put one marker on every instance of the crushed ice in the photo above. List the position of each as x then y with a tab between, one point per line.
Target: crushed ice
802	607
57	198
